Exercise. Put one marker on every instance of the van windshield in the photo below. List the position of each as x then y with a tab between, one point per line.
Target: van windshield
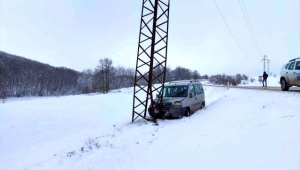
175	91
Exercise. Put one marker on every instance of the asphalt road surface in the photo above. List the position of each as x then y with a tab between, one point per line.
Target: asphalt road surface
271	88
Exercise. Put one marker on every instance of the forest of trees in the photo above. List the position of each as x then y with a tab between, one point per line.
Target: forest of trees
23	77
106	77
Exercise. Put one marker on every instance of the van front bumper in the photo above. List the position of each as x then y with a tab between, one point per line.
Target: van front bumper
177	112
171	113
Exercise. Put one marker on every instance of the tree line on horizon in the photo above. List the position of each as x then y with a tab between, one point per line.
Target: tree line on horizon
222	79
24	77
106	77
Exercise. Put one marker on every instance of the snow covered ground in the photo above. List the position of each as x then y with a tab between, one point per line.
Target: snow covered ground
271	81
239	129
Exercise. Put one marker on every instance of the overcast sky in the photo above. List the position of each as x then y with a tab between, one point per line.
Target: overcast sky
77	33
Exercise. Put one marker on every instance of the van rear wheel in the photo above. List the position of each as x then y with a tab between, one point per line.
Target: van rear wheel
202	105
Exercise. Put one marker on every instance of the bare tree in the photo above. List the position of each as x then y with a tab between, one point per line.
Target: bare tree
196	75
85	81
181	73
101	80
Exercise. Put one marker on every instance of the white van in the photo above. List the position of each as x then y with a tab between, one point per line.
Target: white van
181	98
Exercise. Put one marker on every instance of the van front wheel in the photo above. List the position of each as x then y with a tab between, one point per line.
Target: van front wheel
187	113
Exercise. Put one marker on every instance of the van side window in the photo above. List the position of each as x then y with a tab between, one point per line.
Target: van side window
287	65
167	92
291	67
297	65
192	90
201	89
198	91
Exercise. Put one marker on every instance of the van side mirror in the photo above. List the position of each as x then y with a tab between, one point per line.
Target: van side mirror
191	95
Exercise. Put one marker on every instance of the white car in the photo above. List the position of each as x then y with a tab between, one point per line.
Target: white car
290	74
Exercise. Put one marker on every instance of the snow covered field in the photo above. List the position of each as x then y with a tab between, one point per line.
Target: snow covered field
271	81
239	129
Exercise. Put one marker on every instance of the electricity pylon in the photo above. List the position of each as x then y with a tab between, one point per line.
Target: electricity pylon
264	60
151	56
268	62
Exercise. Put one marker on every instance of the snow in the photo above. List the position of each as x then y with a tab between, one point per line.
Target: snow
271	81
238	129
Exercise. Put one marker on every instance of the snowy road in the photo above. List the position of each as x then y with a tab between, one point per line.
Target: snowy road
239	129
271	88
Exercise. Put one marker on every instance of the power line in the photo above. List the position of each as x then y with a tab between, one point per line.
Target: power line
249	25
231	32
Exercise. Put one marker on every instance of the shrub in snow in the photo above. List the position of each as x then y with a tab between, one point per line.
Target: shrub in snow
225	79
89	145
71	153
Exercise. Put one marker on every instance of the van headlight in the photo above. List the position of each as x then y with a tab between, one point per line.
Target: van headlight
177	105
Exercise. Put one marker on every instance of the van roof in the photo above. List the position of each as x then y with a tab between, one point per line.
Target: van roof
181	82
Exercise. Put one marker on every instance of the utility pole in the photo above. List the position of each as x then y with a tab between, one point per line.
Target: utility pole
268	62
264	60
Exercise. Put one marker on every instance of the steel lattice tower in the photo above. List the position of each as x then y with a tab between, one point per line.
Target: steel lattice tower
151	56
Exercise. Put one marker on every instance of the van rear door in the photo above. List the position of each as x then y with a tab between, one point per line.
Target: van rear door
200	95
192	98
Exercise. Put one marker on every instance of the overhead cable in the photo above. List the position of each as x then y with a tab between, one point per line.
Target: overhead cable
249	25
232	33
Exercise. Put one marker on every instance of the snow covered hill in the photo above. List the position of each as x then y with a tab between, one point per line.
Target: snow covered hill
239	129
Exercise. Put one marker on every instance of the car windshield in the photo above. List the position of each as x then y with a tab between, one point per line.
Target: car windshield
175	91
